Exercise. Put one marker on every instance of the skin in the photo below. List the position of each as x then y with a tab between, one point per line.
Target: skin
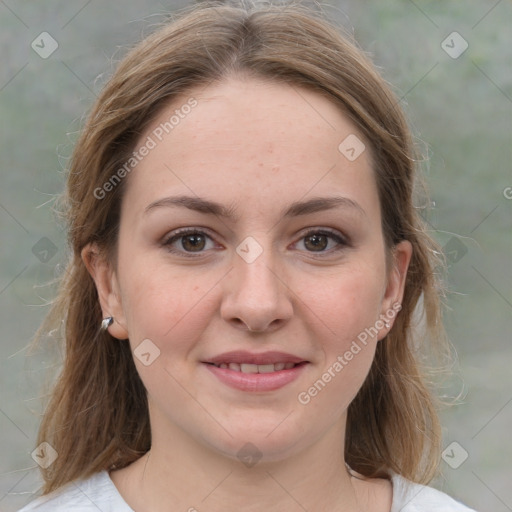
258	146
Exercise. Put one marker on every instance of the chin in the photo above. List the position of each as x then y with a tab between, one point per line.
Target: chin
263	441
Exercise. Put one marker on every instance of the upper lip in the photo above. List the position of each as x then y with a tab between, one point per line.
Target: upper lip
242	356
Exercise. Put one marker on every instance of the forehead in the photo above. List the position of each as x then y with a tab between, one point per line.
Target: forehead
252	142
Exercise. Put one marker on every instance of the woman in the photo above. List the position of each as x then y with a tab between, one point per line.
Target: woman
247	259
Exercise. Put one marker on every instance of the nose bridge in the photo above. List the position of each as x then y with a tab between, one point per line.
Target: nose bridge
255	292
255	274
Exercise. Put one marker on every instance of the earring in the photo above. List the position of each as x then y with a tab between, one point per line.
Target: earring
106	323
387	324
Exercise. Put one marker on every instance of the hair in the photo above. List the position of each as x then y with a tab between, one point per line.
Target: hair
97	416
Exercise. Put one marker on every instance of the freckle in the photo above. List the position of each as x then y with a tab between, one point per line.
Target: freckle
275	169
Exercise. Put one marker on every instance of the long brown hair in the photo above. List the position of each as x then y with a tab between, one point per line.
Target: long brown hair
97	417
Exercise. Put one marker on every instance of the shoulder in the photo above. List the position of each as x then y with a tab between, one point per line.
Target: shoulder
92	494
411	497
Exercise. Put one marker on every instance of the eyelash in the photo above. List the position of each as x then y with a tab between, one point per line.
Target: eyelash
167	243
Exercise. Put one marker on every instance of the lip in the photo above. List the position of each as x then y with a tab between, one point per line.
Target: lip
243	356
257	382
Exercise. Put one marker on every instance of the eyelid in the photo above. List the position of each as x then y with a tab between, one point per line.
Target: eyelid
342	240
334	233
182	232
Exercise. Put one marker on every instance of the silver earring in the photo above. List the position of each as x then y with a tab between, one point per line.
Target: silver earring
106	323
387	324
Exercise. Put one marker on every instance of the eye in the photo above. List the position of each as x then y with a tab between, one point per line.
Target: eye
318	240
187	241
190	242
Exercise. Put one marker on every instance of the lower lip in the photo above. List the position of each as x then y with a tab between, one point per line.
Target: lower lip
256	381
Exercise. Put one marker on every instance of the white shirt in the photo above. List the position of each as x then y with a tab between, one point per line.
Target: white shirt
98	493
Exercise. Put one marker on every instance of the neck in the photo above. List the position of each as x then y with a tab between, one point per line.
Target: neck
180	474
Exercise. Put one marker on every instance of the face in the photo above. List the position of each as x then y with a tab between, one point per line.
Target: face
254	317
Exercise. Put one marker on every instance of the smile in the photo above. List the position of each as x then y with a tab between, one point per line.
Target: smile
253	378
256	368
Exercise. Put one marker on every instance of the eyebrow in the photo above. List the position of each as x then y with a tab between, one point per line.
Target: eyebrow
297	208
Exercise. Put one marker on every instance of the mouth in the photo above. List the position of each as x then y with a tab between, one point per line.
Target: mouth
257	368
262	372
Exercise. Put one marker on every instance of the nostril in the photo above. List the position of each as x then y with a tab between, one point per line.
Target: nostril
245	324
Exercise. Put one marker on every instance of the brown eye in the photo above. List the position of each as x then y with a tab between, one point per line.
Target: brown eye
322	241
193	243
188	242
316	242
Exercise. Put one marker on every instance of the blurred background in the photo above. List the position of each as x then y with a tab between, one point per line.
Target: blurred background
450	64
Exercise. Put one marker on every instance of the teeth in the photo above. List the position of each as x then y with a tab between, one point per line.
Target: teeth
266	368
256	368
248	368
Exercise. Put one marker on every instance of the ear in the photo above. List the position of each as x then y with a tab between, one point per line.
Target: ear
394	292
108	289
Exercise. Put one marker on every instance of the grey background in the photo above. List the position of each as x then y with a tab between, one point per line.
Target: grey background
460	110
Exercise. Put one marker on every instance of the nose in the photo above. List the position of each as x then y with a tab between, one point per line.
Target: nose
256	296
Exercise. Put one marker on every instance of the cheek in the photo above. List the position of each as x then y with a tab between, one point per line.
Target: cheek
172	311
170	307
346	302
346	309
346	339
